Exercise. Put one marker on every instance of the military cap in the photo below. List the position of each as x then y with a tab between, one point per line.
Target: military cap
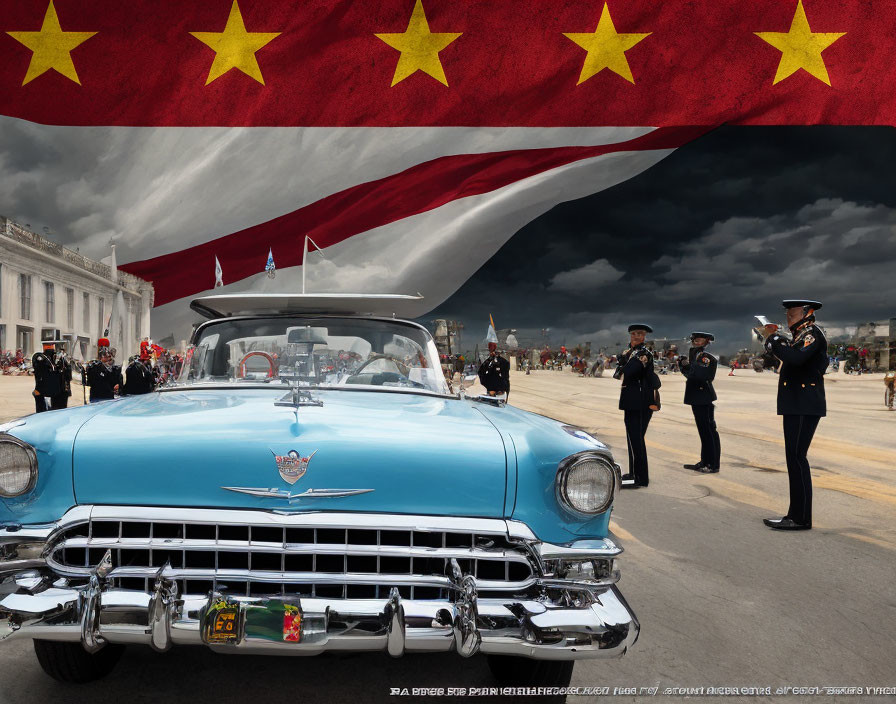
640	326
799	303
709	336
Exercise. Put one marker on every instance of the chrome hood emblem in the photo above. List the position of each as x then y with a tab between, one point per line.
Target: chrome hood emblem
292	466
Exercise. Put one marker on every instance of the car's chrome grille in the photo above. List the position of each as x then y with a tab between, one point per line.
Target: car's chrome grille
249	560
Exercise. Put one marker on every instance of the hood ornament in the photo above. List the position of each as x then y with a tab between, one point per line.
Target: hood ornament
296	398
292	466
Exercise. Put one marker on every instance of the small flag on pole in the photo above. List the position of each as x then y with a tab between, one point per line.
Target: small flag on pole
269	267
491	336
219	274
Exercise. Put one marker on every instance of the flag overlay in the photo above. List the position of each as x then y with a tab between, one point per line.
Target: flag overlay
409	139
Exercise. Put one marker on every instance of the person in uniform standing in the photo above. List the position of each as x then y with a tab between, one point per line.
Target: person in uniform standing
699	368
801	402
494	372
48	377
638	398
139	377
103	375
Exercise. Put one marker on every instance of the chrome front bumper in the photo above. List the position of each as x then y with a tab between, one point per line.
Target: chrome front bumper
570	620
605	627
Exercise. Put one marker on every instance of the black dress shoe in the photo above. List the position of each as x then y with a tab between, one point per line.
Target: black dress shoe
786	524
696	466
708	470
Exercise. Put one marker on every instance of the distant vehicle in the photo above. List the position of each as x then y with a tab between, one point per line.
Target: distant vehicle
309	485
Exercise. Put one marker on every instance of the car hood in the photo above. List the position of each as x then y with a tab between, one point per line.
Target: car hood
419	454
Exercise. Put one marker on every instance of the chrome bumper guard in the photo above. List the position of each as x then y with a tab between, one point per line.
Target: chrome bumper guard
581	621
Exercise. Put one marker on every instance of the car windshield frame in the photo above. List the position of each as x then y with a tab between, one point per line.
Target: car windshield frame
219	346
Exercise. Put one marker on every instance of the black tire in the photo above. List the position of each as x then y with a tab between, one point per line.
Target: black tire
70	663
512	671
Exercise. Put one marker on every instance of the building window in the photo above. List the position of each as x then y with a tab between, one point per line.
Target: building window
100	305
86	317
70	308
25	296
138	323
50	290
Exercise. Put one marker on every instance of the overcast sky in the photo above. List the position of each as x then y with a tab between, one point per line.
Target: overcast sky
718	232
721	230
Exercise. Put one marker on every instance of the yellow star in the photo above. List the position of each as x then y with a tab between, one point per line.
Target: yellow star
800	48
235	47
419	48
606	48
51	47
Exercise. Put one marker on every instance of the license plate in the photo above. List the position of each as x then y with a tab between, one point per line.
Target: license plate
222	622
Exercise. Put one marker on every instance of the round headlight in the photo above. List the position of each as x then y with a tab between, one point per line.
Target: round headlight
587	483
18	467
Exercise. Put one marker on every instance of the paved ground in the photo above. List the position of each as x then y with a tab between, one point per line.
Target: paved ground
723	601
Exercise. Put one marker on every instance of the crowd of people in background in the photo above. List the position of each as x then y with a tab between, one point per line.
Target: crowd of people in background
54	370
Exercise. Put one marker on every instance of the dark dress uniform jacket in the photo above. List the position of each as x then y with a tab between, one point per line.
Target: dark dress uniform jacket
801	377
494	374
701	371
638	381
102	380
48	378
140	380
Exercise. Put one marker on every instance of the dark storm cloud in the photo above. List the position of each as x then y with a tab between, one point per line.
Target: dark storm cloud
721	230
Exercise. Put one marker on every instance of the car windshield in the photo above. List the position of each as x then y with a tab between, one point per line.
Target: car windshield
319	352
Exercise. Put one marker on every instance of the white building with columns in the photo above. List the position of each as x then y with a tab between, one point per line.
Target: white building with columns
45	286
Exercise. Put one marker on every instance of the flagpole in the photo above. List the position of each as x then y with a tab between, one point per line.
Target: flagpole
304	262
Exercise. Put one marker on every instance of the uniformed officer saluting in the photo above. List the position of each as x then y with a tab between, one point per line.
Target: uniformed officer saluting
700	370
103	375
801	401
48	376
638	398
494	372
139	375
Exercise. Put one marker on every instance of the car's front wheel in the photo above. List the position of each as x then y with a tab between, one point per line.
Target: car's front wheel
524	672
69	662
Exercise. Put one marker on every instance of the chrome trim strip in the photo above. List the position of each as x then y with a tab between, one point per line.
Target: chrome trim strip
305	519
178	544
580	550
289	496
264	576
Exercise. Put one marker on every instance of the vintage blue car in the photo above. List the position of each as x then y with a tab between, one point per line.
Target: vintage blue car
309	485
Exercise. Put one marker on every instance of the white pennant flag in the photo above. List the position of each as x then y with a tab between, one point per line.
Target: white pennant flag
219	274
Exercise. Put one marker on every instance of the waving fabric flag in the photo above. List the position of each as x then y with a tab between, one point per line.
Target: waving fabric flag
219	274
409	138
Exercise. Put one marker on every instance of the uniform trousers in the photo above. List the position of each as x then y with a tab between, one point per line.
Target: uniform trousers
41	404
710	447
798	432
60	401
636	423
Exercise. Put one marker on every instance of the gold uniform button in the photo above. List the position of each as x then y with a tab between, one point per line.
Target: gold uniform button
785	383
804	386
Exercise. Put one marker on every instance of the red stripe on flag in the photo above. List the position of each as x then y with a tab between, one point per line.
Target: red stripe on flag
369	205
